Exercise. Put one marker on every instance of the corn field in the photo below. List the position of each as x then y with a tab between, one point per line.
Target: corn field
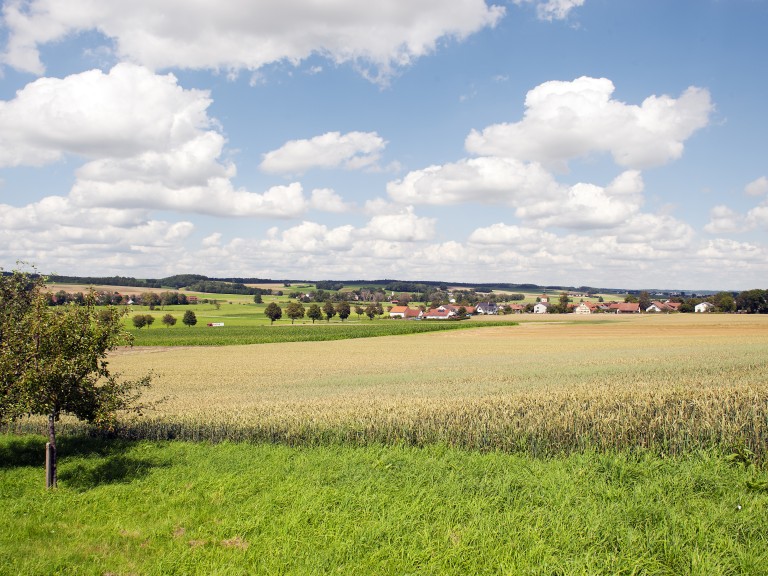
671	384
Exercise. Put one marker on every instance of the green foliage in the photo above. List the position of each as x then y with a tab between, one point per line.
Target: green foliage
54	360
19	297
273	312
294	311
314	313
724	302
753	301
328	285
343	310
189	318
169	320
329	310
218	287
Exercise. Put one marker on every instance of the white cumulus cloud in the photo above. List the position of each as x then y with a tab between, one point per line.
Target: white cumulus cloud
724	220
326	200
758	187
95	115
240	34
485	180
403	227
567	120
352	151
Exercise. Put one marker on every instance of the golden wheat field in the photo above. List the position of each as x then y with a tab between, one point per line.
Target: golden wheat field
671	383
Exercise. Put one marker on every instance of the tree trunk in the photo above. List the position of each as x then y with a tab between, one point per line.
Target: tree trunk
50	453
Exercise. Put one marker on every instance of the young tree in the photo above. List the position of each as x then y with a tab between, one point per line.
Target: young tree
359	310
273	312
149	320
189	318
169	320
370	311
343	310
329	310
294	311
644	300
257	299
150	299
314	313
54	360
139	321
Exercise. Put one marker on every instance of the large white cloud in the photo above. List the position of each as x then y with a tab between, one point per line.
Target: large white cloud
486	180
588	206
150	144
121	114
532	191
61	237
567	120
217	197
241	34
659	232
351	151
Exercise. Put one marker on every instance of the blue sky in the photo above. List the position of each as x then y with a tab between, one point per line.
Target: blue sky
609	143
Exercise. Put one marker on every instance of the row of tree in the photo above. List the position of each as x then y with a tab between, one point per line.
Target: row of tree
296	311
150	299
141	320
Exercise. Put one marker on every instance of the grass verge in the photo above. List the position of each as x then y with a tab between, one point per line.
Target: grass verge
183	508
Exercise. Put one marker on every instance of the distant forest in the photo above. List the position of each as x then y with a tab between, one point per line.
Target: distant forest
200	283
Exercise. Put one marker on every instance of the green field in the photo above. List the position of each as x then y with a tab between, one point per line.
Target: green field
182	508
233	333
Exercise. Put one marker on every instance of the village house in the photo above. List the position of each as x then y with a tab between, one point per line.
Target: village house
585	308
541	307
704	307
405	312
487	308
440	313
658	306
625	308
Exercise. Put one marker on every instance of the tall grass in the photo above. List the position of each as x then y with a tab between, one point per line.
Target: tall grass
181	508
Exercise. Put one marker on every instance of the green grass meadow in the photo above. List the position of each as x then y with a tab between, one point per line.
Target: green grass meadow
197	508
